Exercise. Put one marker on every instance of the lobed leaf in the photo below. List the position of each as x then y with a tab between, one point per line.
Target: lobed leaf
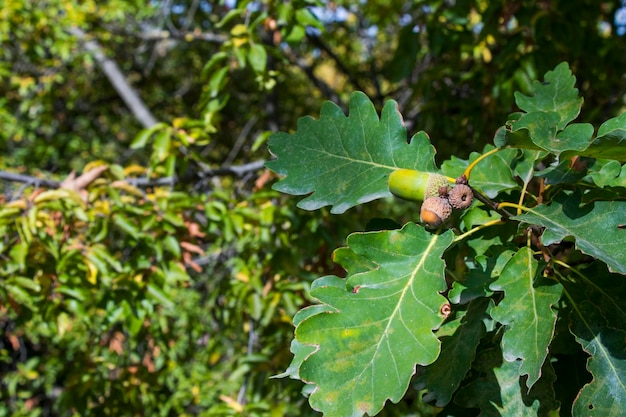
595	226
527	312
605	395
497	391
491	175
610	141
486	269
544	122
605	290
343	161
370	335
555	94
443	377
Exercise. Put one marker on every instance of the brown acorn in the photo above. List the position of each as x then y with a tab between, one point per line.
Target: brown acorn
435	211
460	196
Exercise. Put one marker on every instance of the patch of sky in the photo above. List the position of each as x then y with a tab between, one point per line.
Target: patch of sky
330	15
620	20
478	27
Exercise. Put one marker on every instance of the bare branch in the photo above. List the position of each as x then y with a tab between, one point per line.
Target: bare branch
234	170
326	90
317	41
117	79
196	35
27	179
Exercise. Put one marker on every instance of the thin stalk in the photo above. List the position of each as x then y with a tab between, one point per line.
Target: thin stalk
521	197
519	207
471	166
477	228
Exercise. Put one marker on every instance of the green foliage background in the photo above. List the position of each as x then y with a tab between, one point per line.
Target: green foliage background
121	298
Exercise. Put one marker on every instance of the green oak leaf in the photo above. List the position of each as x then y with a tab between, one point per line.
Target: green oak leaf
544	124
610	142
379	323
574	138
491	175
505	136
344	161
602	288
607	173
486	270
527	312
525	164
543	132
541	126
474	285
299	350
458	349
555	94
595	226
605	395
565	172
498	391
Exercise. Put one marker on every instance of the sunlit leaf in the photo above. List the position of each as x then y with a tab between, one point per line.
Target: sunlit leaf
344	160
610	141
491	175
555	94
527	312
257	57
380	326
596	226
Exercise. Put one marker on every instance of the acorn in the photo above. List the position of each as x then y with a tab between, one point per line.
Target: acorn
435	211
460	196
414	185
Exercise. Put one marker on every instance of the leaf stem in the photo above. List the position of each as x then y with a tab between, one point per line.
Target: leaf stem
519	207
521	197
491	204
571	268
480	158
477	228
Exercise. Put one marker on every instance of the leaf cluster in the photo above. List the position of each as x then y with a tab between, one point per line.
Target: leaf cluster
488	311
154	294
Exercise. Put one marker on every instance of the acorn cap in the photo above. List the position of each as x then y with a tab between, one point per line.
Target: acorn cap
460	196
435	183
435	211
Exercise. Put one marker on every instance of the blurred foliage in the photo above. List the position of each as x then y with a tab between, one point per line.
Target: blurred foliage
126	297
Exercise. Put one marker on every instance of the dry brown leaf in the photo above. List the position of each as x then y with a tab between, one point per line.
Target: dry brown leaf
72	182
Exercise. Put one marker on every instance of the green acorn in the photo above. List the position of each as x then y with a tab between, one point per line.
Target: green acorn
414	185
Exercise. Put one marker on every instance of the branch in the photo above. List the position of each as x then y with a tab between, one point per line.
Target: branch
317	41
117	79
196	35
236	170
27	179
326	90
143	182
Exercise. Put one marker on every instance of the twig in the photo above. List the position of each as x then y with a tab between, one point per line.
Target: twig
252	339
142	182
492	204
27	179
317	41
241	139
117	79
199	36
237	170
326	90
